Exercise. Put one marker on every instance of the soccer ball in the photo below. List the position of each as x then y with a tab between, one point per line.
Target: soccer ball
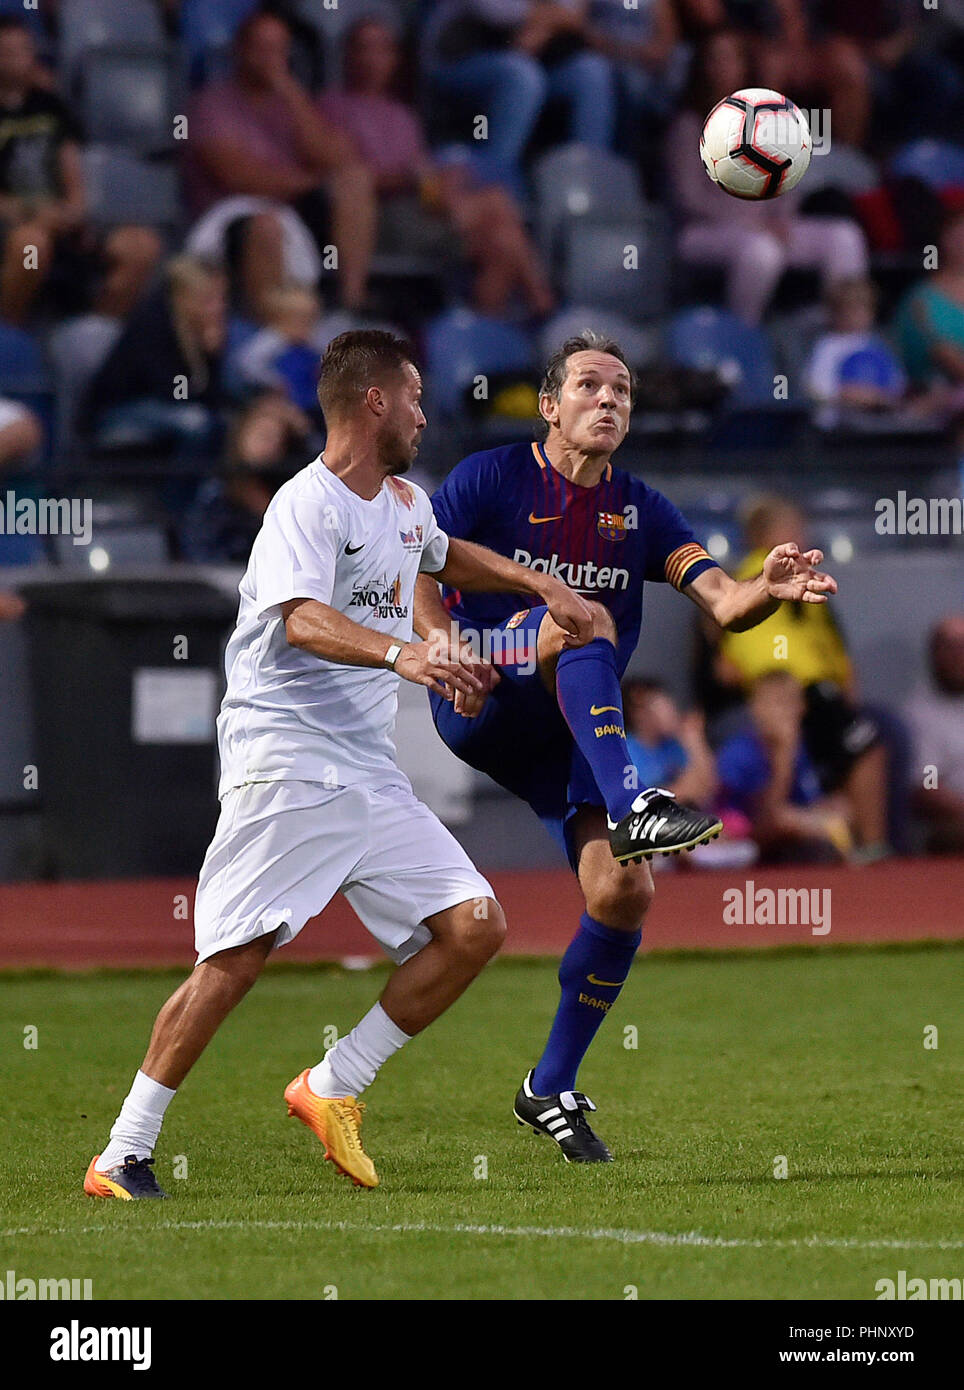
756	144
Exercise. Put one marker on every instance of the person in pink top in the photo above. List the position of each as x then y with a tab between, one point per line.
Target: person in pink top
420	200
755	242
261	154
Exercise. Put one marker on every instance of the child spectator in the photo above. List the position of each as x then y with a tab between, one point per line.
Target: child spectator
851	365
766	774
668	748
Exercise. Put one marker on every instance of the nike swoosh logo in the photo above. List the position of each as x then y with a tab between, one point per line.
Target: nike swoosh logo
601	709
610	984
538	520
354	549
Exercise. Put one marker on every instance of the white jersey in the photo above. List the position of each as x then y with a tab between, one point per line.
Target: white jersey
286	713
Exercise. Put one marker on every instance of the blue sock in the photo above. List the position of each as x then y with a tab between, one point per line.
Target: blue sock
591	973
587	681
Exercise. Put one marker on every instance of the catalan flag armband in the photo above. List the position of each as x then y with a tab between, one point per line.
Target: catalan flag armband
682	560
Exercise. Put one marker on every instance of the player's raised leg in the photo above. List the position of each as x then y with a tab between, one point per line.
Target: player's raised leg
586	684
325	1097
591	975
182	1030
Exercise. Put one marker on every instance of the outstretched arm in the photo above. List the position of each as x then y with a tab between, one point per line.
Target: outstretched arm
788	574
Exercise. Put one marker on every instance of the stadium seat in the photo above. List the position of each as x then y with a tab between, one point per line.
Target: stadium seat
842	167
207	29
576	181
122	188
23	369
595	265
127	99
639	344
91	24
714	338
460	344
937	163
77	349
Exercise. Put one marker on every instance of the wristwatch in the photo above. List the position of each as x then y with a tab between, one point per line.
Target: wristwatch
392	655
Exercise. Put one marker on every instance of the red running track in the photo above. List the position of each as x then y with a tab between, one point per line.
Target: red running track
133	922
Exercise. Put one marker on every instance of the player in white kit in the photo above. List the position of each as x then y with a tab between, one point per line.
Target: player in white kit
312	802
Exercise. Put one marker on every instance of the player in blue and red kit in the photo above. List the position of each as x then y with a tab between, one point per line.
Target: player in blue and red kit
549	725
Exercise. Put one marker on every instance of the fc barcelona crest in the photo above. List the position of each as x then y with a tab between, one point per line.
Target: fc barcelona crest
612	525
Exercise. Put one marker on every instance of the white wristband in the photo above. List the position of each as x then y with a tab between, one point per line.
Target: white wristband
392	655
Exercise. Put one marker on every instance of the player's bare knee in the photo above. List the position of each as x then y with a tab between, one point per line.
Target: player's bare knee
479	928
621	898
603	622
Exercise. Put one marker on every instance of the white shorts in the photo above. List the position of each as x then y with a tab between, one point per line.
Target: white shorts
282	850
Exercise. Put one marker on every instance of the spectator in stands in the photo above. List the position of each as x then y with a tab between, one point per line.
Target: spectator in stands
843	739
266	446
161	382
264	162
285	355
851	365
669	749
754	242
21	433
766	774
42	198
643	43
930	320
935	713
511	56
12	606
425	207
788	52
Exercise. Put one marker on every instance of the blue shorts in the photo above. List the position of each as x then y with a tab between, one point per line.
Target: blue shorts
520	738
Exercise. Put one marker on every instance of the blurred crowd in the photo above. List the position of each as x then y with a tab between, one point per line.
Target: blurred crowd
196	196
204	192
782	744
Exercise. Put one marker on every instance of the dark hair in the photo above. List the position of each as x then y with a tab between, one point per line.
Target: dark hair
643	685
251	22
587	341
356	360
10	23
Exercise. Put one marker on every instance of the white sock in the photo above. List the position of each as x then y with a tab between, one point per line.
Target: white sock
139	1123
353	1063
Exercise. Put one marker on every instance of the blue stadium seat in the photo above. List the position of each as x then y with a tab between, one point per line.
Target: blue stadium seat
122	188
576	181
91	24
33	19
127	99
937	163
23	369
208	28
714	338
460	345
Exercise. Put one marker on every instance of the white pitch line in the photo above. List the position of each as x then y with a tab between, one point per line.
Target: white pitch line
617	1236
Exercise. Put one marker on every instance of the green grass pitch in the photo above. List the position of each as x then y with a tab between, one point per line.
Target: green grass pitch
817	1056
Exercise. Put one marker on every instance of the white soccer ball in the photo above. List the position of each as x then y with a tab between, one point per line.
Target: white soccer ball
756	144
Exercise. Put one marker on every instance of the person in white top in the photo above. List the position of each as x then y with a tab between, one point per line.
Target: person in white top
312	801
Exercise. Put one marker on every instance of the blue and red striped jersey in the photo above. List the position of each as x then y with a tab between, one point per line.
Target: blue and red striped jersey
605	541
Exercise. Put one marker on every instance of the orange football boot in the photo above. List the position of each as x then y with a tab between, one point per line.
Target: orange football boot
336	1120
